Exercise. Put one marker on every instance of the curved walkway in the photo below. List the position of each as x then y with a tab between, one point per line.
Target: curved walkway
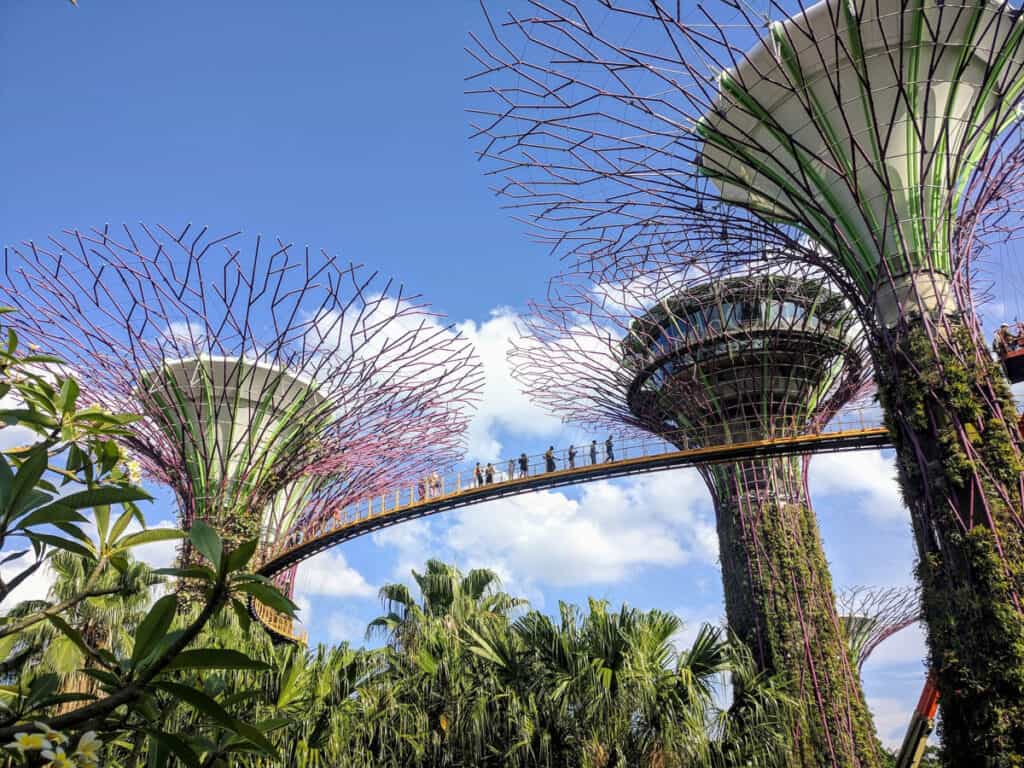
638	457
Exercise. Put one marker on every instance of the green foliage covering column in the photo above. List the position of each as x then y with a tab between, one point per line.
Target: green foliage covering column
954	424
779	601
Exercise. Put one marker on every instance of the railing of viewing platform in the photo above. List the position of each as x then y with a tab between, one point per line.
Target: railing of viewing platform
507	472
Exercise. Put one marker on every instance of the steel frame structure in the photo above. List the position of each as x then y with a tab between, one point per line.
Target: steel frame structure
878	140
701	359
274	386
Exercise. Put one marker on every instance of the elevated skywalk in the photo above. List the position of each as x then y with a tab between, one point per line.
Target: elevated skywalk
460	489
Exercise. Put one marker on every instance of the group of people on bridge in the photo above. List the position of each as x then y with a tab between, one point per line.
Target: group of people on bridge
520	468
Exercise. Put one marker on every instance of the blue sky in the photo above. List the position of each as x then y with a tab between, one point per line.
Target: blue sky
341	125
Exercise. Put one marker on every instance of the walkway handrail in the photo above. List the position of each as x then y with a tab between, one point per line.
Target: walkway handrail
637	458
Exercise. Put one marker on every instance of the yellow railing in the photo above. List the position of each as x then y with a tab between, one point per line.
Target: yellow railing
279	623
628	454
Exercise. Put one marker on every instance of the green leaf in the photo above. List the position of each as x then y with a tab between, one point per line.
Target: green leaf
251	734
240	557
111	494
25	480
149	536
207	542
51	514
198	701
171	743
68	395
121	524
107	678
154	627
215	658
242	613
57	541
41	689
70	633
191	572
269	596
6	481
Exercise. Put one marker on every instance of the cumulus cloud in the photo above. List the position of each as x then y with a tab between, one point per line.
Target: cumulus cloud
35	587
610	533
869	476
503	405
344	628
330	575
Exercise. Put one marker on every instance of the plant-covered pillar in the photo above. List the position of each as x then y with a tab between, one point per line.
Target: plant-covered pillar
779	601
953	420
863	124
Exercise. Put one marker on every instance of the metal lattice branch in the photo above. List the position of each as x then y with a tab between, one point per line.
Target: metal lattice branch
269	378
872	615
631	131
593	352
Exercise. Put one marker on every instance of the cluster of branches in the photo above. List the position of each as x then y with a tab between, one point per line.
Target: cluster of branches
378	390
583	349
593	118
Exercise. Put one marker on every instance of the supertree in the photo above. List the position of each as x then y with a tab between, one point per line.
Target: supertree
701	360
871	615
276	385
875	139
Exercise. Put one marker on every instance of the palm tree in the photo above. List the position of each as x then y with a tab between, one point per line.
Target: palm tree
445	592
106	622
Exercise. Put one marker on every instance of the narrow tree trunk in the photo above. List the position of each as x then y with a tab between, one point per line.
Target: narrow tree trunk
779	601
954	423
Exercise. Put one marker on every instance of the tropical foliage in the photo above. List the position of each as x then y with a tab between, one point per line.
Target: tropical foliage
470	676
95	662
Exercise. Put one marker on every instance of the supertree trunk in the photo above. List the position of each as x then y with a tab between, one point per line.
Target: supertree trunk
779	601
954	424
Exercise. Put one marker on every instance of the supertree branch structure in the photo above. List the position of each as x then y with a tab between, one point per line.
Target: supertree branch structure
276	385
871	615
705	360
878	140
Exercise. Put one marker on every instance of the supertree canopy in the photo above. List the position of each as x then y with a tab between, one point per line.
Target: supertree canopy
703	361
871	616
878	140
276	385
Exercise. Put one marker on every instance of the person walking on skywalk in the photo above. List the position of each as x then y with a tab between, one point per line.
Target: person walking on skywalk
524	464
572	457
549	459
609	453
593	451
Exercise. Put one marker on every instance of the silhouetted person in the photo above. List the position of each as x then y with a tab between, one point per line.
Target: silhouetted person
549	459
593	451
478	474
489	473
524	465
609	454
572	457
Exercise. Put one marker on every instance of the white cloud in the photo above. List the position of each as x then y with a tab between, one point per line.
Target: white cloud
869	476
35	587
503	405
329	574
343	628
608	535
